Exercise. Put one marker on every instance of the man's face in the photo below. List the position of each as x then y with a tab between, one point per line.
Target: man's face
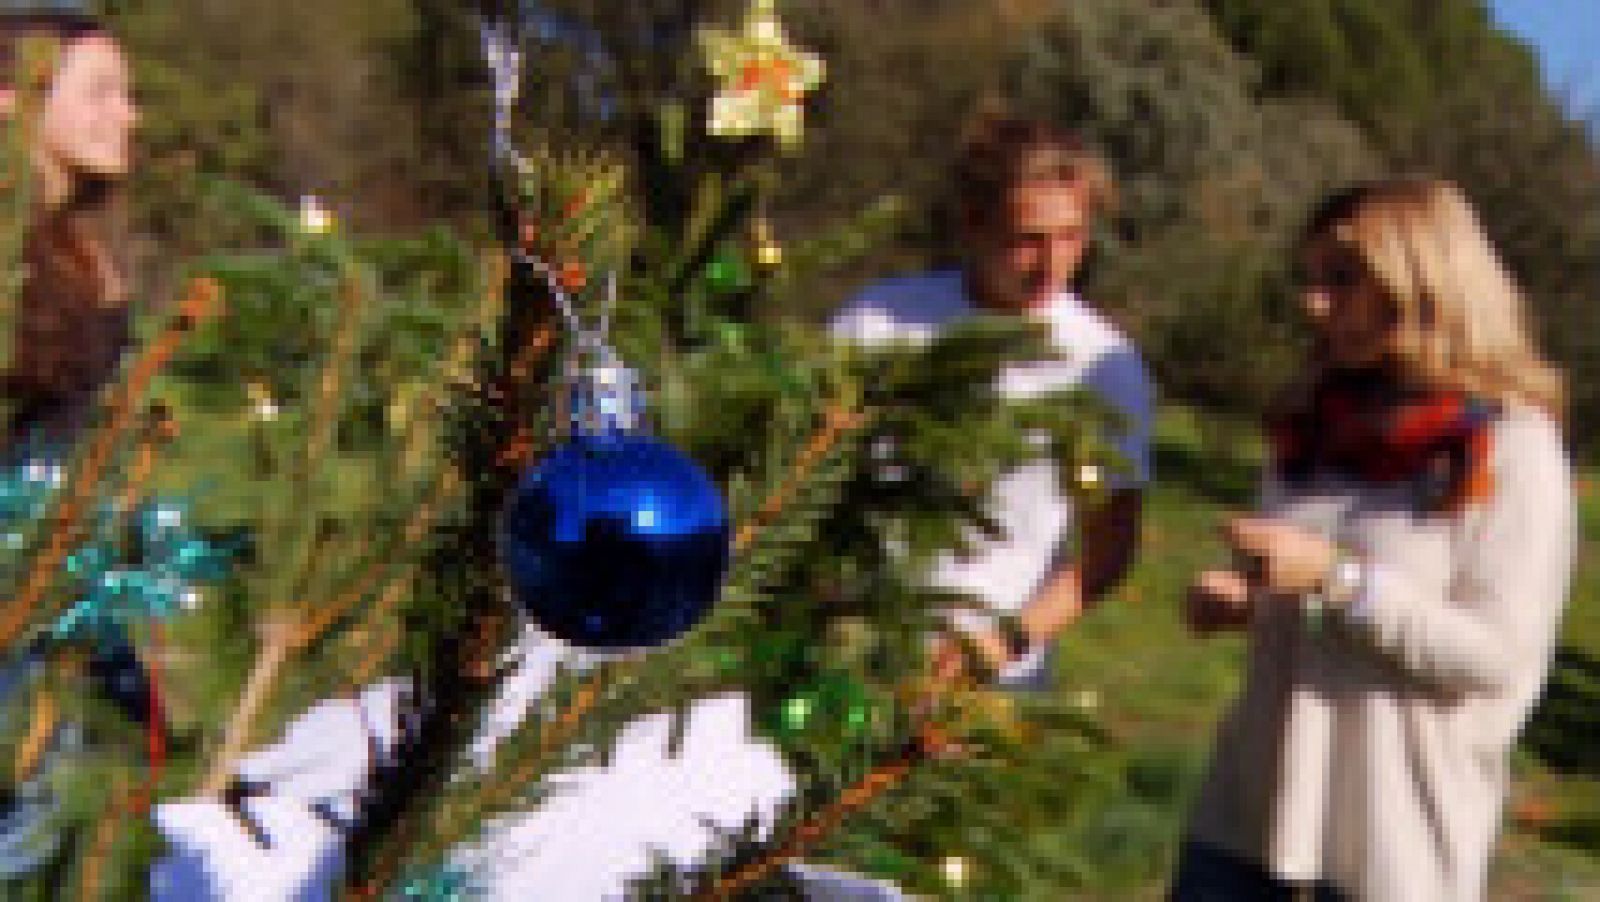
1031	249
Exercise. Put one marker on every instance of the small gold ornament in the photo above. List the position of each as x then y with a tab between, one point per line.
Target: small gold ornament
315	218
1090	477
264	404
769	253
955	870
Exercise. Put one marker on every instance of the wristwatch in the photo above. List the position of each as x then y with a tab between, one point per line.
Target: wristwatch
1345	579
1341	585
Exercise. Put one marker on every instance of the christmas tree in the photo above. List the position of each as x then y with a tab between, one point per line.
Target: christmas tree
360	439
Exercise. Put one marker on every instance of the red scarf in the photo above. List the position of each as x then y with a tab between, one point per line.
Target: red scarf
1365	424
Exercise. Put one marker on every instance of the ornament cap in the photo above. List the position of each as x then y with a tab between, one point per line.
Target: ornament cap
604	395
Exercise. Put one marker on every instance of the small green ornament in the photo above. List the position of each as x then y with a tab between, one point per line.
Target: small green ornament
796	713
858	718
849	705
727	271
837	704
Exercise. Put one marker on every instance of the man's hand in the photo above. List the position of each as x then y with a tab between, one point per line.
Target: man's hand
1217	600
950	654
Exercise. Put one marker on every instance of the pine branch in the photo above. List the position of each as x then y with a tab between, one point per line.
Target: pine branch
278	640
284	636
127	802
330	390
297	627
416	530
863	792
522	771
42	722
517	452
500	792
457	672
45	715
199	304
838	420
366	670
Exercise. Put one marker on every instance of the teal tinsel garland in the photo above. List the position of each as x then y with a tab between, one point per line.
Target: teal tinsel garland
146	564
445	883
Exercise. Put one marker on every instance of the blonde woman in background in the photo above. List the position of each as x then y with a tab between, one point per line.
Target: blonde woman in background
1404	579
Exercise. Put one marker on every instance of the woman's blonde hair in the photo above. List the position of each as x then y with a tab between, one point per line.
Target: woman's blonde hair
1461	320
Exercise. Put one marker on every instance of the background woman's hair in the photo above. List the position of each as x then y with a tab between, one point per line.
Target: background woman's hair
69	327
64	27
1461	318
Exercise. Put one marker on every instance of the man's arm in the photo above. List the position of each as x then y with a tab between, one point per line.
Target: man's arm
1109	531
1108	542
1107	546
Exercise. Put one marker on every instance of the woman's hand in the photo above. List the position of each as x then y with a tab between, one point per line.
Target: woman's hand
1284	558
1217	600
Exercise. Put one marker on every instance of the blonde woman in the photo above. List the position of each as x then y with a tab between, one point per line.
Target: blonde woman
1404	579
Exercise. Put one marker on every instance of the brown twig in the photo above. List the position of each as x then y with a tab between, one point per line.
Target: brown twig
42	721
415	530
105	834
582	703
538	344
519	450
880	780
366	670
284	637
144	464
837	420
326	412
278	640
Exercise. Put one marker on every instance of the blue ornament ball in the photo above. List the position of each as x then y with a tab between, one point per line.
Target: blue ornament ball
616	541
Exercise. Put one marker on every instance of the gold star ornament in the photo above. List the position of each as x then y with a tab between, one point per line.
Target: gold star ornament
763	78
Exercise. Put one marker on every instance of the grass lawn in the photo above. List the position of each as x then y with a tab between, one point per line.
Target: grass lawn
1160	691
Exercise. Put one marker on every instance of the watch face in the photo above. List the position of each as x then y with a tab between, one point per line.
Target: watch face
1348	573
1348	576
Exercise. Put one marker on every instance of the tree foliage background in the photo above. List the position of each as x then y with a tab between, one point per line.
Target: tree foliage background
1225	119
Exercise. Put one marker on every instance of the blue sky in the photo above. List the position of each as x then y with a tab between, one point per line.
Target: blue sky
1566	33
